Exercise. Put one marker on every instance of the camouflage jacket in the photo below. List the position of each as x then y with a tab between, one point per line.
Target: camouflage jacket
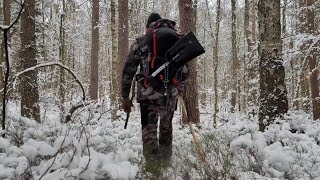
138	58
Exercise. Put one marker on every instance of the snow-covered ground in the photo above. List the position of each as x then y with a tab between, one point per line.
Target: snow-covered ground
94	147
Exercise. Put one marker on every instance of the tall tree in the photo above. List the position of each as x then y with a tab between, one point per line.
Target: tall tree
246	25
114	86
284	18
187	13
308	27
253	20
94	72
123	36
29	86
304	82
234	56
7	16
252	62
273	93
6	10
246	20
215	57
62	55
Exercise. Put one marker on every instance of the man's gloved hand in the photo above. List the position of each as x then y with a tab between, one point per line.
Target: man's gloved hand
126	104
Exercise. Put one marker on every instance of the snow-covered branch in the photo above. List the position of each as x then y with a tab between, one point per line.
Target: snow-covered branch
17	75
4	27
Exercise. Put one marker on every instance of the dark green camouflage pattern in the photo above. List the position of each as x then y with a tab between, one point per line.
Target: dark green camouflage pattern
138	57
154	103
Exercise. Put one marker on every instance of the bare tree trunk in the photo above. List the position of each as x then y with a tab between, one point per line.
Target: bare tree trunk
253	21
29	91
234	56
247	97
273	93
284	19
94	72
307	20
1	64
62	58
246	25
216	59
115	65
314	83
187	12
203	95
43	47
252	65
123	37
6	18
304	85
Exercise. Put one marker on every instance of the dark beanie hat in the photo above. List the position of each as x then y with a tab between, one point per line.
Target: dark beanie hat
152	18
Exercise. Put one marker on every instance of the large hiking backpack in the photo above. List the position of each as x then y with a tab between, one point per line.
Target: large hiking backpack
160	37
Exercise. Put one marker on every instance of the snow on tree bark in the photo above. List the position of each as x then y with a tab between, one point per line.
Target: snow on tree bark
94	72
308	27
114	86
234	57
123	35
187	12
29	86
273	93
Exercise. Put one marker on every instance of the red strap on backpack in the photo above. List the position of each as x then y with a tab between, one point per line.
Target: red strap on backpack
146	73
154	48
175	82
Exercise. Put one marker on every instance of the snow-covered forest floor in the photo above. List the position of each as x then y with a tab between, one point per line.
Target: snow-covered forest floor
94	147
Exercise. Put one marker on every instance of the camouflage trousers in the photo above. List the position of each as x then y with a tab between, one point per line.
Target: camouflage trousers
151	112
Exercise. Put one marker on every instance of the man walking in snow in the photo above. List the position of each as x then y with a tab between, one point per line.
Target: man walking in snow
157	99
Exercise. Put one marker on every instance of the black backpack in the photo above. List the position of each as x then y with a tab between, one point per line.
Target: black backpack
160	37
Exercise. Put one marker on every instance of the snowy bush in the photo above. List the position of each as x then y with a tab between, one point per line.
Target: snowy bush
288	149
93	147
85	149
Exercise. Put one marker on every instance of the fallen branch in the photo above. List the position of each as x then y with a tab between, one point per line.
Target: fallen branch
75	107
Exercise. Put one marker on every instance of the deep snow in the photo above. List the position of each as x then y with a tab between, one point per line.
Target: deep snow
94	147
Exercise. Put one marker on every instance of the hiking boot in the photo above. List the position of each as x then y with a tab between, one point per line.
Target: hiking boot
152	166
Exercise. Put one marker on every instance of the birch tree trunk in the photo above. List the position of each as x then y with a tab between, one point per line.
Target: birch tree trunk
273	93
94	72
187	13
29	87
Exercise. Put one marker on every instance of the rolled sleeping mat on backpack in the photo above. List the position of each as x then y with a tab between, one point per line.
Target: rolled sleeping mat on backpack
184	50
